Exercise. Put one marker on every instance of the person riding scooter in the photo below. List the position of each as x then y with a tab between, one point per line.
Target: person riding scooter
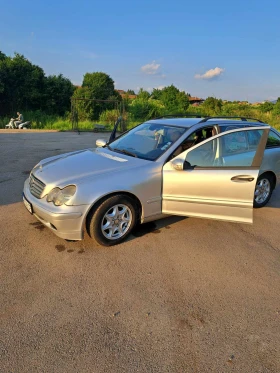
17	123
18	120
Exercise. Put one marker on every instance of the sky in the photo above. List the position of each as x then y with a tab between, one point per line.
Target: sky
225	49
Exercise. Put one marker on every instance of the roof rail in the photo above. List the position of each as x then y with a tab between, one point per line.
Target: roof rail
245	119
205	118
180	116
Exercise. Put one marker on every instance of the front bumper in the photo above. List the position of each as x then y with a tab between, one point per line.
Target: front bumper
64	221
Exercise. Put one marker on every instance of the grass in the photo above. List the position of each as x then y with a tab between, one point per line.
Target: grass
44	121
66	125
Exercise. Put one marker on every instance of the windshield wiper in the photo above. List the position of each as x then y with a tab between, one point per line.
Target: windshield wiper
109	147
125	152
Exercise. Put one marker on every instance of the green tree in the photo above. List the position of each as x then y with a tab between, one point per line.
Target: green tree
115	99
21	84
24	86
2	56
58	91
266	107
212	106
84	108
156	94
174	100
95	86
100	85
143	95
142	109
182	101
2	74
276	108
130	92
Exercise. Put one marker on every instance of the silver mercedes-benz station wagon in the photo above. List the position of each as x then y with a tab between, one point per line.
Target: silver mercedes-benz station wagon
217	168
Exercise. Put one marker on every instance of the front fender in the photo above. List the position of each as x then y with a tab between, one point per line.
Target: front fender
145	184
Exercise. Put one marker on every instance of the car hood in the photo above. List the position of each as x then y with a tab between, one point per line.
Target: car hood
72	168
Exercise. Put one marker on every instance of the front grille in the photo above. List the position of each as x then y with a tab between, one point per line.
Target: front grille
36	186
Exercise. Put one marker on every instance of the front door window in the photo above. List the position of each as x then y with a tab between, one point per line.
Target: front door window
231	150
194	139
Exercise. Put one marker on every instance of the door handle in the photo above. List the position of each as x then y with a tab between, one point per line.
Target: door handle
242	178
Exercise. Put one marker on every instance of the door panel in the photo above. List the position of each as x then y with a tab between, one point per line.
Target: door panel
209	193
212	187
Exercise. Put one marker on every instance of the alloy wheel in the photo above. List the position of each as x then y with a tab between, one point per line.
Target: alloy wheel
262	190
116	222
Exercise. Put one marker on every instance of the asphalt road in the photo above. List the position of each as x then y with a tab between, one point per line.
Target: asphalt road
181	295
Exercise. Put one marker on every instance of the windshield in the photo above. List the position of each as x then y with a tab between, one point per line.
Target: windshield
147	141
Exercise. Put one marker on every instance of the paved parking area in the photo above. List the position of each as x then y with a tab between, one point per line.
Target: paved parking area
182	295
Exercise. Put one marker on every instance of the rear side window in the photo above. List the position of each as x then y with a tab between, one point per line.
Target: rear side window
273	140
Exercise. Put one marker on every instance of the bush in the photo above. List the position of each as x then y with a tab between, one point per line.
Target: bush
145	109
109	116
276	109
4	121
266	107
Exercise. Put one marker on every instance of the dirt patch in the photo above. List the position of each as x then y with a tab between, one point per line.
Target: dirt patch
60	248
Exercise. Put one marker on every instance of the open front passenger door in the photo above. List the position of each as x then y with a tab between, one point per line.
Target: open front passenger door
216	179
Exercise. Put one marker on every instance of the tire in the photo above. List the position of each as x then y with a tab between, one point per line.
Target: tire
263	190
113	220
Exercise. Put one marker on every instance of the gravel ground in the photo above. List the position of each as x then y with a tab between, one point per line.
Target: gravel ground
182	295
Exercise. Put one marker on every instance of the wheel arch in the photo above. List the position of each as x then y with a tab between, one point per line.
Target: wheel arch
270	173
100	200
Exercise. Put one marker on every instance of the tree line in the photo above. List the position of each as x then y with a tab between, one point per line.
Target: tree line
100	86
25	87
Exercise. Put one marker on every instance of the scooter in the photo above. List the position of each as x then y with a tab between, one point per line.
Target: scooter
12	125
25	125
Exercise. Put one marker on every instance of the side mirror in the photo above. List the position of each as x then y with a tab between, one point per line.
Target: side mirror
178	164
100	143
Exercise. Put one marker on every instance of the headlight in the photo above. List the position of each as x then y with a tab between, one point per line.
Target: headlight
61	196
53	193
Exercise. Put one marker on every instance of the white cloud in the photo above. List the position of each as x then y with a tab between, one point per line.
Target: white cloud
210	74
160	87
151	68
